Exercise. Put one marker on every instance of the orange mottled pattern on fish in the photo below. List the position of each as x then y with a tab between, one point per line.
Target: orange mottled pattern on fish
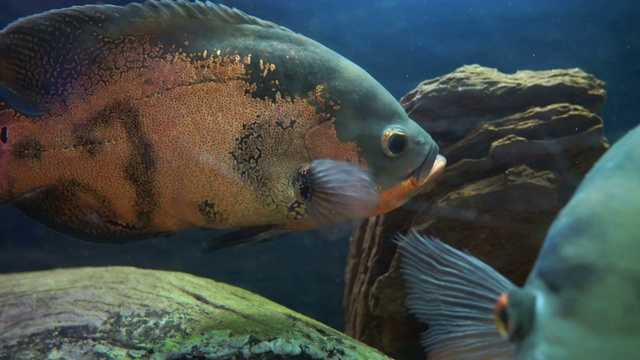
157	117
196	112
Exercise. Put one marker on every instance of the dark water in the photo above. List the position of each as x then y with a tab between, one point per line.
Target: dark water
400	43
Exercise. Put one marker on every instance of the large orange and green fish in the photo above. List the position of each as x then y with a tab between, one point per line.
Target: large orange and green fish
581	300
118	123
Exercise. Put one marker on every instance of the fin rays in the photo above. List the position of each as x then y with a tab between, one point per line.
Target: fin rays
245	236
454	293
341	191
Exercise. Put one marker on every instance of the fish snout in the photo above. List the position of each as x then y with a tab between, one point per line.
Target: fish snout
397	196
427	173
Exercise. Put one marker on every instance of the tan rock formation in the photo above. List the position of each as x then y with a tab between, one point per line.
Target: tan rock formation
517	146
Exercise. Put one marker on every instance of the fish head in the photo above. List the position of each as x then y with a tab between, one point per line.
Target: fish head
370	159
406	160
398	153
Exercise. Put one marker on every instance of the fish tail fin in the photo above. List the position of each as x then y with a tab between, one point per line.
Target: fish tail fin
455	294
5	151
26	50
23	85
11	120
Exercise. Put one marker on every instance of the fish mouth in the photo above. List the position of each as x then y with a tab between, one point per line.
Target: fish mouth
425	174
397	196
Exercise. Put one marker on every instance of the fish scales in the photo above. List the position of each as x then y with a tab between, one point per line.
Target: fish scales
156	117
120	132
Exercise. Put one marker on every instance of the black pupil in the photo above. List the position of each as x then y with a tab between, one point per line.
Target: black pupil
304	185
397	143
504	317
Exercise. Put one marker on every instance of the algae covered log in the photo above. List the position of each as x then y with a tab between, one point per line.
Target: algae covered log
130	313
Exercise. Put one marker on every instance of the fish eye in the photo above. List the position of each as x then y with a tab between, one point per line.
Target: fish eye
501	315
394	141
514	314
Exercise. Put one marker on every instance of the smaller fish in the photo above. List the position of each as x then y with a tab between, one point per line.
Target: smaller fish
581	300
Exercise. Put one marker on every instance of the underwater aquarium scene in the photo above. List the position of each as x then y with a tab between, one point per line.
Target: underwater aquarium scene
408	179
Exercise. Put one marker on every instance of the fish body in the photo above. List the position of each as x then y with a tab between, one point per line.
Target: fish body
119	123
582	298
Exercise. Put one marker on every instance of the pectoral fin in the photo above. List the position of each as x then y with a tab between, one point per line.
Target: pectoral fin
455	294
246	236
336	191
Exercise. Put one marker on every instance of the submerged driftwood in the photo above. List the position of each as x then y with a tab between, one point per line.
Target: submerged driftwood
516	146
129	313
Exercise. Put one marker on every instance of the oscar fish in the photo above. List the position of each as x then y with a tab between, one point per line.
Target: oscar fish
118	123
580	301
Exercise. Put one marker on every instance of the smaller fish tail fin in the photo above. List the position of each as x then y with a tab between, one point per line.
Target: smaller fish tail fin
454	294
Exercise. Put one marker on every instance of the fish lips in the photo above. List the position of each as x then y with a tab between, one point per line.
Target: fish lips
432	165
397	196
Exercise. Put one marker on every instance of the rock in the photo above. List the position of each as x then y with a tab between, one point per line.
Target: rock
516	146
451	105
129	313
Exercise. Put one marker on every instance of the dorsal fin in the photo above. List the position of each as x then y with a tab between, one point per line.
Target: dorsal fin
41	54
14	101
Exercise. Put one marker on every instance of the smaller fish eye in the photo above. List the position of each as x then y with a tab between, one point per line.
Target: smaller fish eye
514	314
501	315
394	141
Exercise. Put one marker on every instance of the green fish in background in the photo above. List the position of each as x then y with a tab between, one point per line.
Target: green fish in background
581	300
118	123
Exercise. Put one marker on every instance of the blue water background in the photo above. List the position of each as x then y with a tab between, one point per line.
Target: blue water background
400	43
